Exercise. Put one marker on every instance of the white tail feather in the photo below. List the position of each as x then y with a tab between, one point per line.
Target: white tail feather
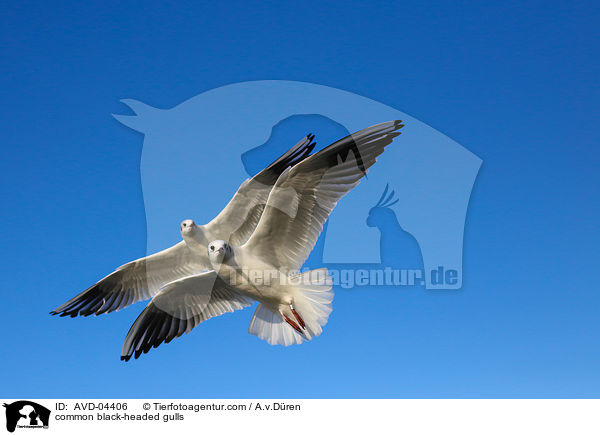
312	298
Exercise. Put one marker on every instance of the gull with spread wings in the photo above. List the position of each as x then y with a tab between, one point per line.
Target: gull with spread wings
292	307
143	278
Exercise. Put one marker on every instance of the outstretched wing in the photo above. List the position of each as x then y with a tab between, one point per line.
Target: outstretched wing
239	218
178	308
135	281
314	187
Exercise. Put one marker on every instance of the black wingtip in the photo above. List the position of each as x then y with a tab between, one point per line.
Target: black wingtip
300	153
292	157
384	132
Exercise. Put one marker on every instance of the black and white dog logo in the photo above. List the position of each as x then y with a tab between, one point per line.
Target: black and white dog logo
26	414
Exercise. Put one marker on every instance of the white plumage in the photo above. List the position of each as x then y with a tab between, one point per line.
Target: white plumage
250	252
292	307
143	278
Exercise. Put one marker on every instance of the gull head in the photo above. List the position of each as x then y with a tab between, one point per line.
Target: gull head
219	251
187	227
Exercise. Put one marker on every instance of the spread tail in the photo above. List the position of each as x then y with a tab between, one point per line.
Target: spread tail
306	316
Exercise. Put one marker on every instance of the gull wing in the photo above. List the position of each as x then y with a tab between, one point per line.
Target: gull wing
134	281
239	218
141	279
314	187
178	308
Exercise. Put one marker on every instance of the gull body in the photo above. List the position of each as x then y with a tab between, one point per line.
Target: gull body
251	276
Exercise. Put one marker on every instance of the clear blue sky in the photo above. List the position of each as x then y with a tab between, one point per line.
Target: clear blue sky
514	82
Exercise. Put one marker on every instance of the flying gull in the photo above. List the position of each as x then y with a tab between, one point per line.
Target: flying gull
143	278
292	307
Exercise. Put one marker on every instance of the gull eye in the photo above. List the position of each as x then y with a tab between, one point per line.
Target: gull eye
184	224
212	248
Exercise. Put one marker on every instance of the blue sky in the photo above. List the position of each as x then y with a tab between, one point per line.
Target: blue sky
514	82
